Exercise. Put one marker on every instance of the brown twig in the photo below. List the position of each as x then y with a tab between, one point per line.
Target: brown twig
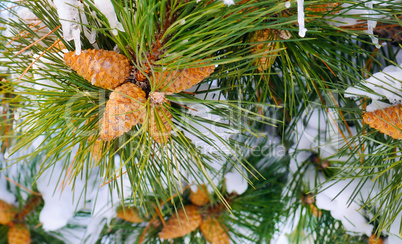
30	65
40	39
23	187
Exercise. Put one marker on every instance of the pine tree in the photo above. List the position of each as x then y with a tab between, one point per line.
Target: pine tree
253	121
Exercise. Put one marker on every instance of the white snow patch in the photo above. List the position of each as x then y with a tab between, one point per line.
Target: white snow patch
235	182
335	198
5	195
287	4
386	84
228	2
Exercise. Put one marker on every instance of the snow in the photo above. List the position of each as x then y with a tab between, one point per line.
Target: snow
60	204
287	4
211	130
107	9
300	18
5	195
235	182
335	198
228	2
386	84
371	23
319	133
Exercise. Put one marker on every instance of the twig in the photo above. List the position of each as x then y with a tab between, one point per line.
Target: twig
22	32
23	187
146	229
30	65
40	39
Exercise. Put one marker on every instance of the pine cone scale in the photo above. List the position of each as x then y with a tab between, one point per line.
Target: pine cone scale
124	109
159	123
19	234
7	213
184	222
387	121
213	231
180	80
106	69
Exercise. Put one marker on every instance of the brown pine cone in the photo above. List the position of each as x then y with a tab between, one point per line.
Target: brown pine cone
96	149
264	63
387	121
390	31
322	8
200	197
124	109
184	222
7	213
106	69
19	234
375	240
159	123
175	81
213	231
129	214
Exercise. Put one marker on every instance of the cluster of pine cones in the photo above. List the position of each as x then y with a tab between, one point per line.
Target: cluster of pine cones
188	219
18	232
127	105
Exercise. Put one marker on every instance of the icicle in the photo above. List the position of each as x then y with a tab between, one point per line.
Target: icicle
371	24
69	17
77	41
107	9
300	17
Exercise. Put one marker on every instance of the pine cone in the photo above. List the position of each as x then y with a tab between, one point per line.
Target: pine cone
387	121
124	109
129	214
213	231
264	63
175	81
200	197
390	31
7	213
19	234
375	240
106	69
159	123
96	149
326	7
184	222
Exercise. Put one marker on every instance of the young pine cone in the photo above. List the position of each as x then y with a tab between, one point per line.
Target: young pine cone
213	231
264	63
106	69
175	81
184	222
390	31
387	121
19	234
96	150
200	197
129	214
322	8
7	213
124	109
375	240
159	123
